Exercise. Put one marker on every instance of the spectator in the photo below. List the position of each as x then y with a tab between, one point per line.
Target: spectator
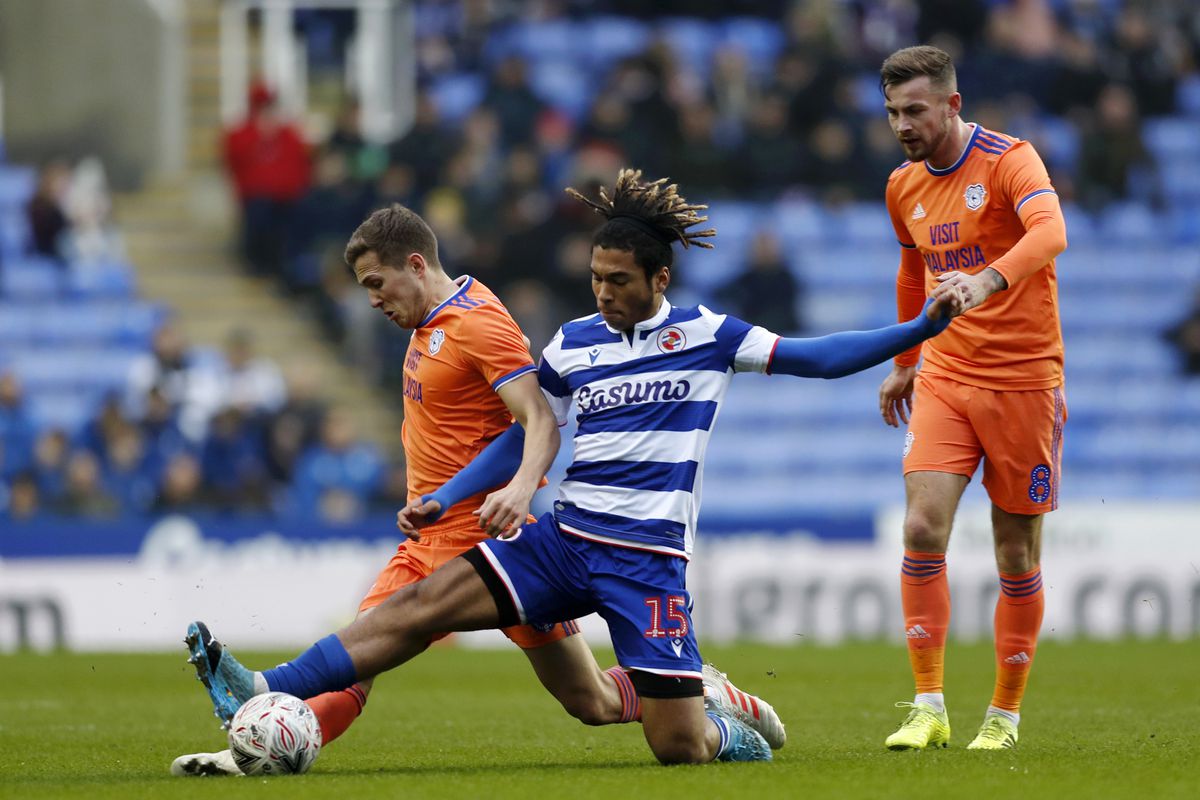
699	159
1185	336
126	471
267	159
184	380
47	218
515	104
766	293
338	462
17	430
1112	152
770	161
50	463
233	464
426	147
251	384
24	499
84	494
180	489
91	237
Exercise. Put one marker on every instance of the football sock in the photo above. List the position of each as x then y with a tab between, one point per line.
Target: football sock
1004	712
1018	620
324	667
723	729
336	711
925	596
631	704
935	700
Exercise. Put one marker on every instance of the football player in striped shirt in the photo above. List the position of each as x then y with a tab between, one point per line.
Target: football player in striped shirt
645	380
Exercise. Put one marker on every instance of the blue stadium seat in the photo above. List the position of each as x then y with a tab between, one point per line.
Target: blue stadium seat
865	223
113	279
1172	139
554	40
17	185
564	85
1129	223
692	40
61	369
15	235
1187	95
1057	141
32	278
760	40
802	222
456	95
69	410
1181	181
606	40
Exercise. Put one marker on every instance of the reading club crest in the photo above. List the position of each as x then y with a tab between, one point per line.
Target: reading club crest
435	341
671	340
975	195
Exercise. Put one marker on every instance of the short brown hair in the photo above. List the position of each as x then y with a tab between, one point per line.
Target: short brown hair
393	233
913	62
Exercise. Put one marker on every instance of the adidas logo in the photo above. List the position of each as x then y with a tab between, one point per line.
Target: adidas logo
919	212
917	632
1019	658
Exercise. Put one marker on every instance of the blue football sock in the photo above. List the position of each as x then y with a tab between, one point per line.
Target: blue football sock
324	667
724	730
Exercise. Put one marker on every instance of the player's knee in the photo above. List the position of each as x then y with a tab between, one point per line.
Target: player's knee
681	750
587	708
924	535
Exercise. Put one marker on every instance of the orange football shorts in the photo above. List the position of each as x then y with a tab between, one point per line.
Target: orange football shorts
416	560
1017	434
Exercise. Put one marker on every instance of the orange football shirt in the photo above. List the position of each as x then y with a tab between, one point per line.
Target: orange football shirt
459	356
967	217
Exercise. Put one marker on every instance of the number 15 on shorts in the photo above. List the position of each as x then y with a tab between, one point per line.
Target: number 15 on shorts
676	617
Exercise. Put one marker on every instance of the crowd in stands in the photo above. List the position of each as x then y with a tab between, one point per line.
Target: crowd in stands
518	100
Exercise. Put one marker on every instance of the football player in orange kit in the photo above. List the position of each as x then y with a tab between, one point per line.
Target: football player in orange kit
975	209
467	374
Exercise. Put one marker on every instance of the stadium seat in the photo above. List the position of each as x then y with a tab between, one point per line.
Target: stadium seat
760	40
1181	181
564	85
113	279
1172	139
1129	223
607	40
456	95
692	40
32	278
17	185
555	41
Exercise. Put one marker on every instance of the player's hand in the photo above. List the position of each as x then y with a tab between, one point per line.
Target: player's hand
895	395
945	303
504	511
416	515
973	289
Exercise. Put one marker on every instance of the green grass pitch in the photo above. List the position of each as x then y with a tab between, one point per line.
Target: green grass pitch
1100	720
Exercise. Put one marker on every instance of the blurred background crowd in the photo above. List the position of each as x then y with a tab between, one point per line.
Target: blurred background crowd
769	110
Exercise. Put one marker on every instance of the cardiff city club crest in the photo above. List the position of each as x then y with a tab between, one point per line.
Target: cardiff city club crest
975	195
671	340
435	341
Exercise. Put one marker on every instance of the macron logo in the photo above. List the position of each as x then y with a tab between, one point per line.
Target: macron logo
1019	658
593	354
677	646
917	632
919	212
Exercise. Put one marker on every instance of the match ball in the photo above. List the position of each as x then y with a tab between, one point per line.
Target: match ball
274	734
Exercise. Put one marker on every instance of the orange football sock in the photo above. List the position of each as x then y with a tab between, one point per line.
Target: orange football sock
631	704
1018	620
925	596
336	711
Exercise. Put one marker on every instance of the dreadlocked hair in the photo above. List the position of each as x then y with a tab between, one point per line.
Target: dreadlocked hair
646	218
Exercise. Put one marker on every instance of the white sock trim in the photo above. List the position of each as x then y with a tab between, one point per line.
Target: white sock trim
936	700
1013	716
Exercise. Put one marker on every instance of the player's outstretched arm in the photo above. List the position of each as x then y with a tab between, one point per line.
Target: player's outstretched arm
505	510
841	354
495	464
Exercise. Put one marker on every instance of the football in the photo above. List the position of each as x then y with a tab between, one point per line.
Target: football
274	734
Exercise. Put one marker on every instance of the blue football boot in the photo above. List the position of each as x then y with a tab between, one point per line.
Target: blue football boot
229	684
745	743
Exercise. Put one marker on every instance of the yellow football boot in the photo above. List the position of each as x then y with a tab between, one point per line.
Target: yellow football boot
923	727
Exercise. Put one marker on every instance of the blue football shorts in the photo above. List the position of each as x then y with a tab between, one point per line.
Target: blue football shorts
551	576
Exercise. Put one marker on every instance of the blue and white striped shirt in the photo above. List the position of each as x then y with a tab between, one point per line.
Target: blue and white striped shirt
646	405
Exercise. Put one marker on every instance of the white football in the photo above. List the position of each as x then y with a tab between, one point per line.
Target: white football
274	734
